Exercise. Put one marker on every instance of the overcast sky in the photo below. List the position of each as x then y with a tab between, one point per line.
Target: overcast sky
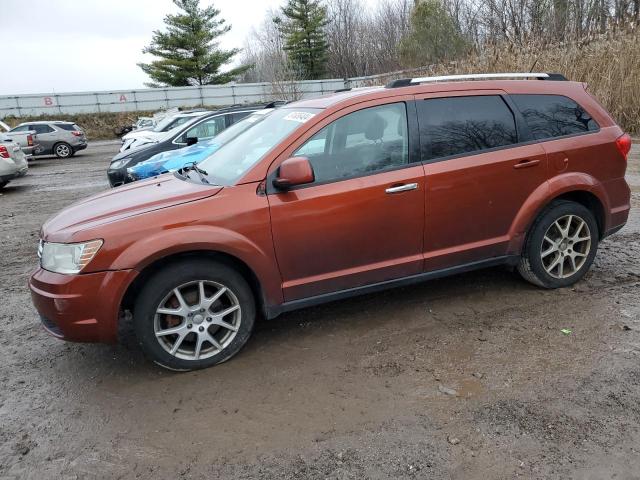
85	45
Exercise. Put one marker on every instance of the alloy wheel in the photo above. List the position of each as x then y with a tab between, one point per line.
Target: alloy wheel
63	150
565	246
197	320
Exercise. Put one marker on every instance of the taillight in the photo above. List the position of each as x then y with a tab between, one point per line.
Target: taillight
624	144
76	133
30	140
4	153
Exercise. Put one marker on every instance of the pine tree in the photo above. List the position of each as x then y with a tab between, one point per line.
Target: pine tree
433	36
303	30
188	52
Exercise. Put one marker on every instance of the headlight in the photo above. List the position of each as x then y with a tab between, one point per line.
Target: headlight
67	257
120	163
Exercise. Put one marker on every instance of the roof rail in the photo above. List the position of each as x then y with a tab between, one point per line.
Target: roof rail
405	82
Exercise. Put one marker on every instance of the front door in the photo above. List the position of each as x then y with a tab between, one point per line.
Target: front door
478	176
361	221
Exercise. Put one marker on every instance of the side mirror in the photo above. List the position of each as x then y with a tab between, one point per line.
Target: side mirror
294	171
191	141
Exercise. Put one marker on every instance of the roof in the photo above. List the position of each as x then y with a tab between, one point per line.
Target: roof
44	122
199	113
344	98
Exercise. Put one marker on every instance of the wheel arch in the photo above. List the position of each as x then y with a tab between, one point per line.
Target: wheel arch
588	200
129	297
577	187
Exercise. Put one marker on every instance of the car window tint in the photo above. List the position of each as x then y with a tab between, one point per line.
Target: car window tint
458	125
176	122
22	128
207	129
40	129
236	117
70	127
553	115
362	142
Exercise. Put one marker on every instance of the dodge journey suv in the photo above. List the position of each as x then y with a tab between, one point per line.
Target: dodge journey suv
335	196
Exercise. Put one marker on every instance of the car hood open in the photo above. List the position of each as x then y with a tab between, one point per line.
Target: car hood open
122	202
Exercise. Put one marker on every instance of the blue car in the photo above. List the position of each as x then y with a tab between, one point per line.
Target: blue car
176	159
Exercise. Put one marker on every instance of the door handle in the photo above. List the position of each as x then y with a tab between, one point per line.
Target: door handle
402	188
526	163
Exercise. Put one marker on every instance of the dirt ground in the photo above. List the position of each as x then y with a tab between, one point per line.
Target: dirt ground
466	377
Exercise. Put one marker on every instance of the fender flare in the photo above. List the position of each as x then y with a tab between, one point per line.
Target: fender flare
545	194
165	243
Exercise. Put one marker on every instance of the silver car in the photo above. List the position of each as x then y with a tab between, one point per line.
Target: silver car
13	162
25	138
62	139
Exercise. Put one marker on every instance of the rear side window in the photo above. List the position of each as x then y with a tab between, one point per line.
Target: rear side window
464	125
70	127
551	116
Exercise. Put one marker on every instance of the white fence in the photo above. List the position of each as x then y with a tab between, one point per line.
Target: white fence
162	98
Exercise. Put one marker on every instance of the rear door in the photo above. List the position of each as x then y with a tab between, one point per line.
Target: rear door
478	175
361	221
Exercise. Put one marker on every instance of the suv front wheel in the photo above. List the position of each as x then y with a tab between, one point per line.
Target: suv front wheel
194	314
560	246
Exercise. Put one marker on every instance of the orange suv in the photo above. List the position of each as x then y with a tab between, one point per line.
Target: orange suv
336	196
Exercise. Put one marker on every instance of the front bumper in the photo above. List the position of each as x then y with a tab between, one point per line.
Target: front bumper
80	308
117	176
8	178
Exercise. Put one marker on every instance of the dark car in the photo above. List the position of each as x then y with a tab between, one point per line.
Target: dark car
200	128
337	196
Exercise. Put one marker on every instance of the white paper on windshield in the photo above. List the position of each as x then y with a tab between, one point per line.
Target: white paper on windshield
300	117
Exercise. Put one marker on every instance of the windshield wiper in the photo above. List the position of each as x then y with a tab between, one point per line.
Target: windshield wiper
201	173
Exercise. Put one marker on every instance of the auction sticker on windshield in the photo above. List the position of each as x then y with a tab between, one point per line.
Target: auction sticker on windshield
299	116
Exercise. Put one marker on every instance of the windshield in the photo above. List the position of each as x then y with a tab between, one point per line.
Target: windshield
169	123
237	128
235	158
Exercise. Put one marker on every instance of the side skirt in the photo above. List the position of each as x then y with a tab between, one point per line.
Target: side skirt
273	311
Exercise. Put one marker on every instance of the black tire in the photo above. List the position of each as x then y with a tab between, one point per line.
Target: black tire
531	265
3	184
62	150
160	285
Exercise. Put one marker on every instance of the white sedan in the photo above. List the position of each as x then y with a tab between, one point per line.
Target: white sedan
13	161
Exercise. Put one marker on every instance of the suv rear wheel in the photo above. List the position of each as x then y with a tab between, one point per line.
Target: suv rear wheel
560	246
194	314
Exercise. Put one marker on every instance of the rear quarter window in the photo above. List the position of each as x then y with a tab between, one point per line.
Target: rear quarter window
550	116
67	126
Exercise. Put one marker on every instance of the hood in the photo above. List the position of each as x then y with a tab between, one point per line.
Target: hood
175	159
130	152
123	202
140	134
